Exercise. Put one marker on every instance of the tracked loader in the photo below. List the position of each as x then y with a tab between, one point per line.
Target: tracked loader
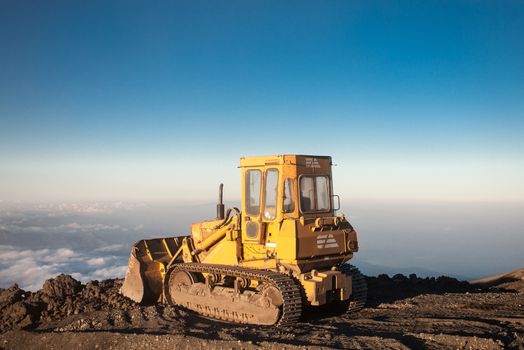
285	249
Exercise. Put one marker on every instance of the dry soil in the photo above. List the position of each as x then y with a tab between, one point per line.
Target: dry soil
402	313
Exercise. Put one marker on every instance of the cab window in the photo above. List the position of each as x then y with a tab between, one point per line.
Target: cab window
314	193
321	184
270	196
307	193
252	191
289	196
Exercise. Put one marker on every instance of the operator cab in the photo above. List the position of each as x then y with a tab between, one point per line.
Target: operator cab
288	211
287	186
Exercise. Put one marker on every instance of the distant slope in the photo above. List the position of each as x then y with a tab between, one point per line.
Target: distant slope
510	280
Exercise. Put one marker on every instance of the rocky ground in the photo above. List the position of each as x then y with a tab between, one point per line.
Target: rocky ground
402	313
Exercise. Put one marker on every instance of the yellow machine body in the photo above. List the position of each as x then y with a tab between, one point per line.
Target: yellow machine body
287	223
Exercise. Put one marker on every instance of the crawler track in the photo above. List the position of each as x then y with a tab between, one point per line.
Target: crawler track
291	308
360	289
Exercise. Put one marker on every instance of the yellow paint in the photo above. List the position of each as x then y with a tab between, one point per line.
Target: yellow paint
309	245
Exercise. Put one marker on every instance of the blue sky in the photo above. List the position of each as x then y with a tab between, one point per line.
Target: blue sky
142	100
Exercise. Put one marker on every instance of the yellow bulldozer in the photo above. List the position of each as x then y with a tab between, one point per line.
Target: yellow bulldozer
285	249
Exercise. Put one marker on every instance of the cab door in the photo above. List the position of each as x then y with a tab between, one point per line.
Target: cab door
260	209
251	206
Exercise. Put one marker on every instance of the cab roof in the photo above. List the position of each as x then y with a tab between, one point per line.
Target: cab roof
280	159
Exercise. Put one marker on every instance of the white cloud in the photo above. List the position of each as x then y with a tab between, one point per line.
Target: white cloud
76	275
109	272
110	248
25	270
75	227
64	253
30	268
96	262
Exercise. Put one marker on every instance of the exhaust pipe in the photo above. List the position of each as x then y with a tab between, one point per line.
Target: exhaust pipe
220	205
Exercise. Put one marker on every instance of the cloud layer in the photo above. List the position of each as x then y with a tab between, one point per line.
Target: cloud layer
90	240
30	268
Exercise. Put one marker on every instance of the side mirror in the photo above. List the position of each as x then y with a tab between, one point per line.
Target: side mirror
333	196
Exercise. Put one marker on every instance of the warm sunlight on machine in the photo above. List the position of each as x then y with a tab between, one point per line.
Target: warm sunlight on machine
286	248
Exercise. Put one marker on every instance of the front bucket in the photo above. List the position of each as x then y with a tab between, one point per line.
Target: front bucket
146	268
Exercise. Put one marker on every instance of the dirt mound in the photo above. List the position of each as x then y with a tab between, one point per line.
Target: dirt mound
59	297
513	280
65	304
61	286
16	311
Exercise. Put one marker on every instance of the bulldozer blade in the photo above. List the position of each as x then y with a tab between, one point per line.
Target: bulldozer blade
146	268
133	286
